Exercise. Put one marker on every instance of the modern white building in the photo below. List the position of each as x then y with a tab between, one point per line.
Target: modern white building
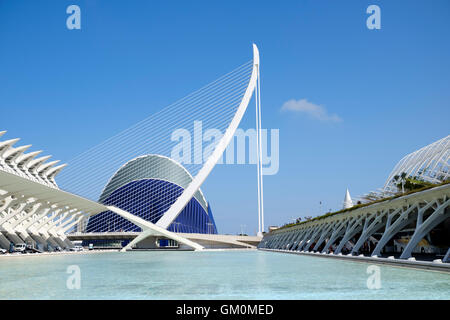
23	219
417	223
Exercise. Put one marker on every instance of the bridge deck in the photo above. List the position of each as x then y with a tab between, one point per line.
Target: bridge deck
240	241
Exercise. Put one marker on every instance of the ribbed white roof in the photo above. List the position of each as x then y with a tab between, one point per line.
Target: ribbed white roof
14	160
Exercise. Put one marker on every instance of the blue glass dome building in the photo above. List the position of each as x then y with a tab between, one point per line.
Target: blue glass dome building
147	186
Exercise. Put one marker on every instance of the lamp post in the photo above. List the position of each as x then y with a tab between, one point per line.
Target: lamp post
242	229
209	227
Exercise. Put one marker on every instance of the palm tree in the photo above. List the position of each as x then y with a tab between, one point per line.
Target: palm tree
401	179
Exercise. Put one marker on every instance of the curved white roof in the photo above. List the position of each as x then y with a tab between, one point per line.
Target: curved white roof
14	160
152	166
430	163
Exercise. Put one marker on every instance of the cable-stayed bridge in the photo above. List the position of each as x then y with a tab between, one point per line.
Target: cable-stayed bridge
34	208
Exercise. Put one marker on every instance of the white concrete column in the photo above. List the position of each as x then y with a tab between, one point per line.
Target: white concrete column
439	215
392	229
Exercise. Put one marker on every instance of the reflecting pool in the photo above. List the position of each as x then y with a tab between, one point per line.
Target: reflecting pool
209	275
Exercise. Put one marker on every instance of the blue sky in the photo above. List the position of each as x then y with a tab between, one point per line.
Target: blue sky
67	90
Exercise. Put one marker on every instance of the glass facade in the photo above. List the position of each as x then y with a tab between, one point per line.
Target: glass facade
143	199
148	193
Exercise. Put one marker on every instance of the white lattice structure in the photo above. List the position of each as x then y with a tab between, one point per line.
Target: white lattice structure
430	163
369	229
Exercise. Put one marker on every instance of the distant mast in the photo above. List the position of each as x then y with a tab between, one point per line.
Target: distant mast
348	203
259	149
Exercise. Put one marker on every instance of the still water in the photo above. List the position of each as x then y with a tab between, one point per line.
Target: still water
210	275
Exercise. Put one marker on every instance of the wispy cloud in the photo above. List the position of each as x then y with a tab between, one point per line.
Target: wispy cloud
315	111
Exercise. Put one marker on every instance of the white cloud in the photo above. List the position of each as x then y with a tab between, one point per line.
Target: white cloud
313	110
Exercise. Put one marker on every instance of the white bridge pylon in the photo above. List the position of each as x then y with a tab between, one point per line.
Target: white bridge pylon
171	214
